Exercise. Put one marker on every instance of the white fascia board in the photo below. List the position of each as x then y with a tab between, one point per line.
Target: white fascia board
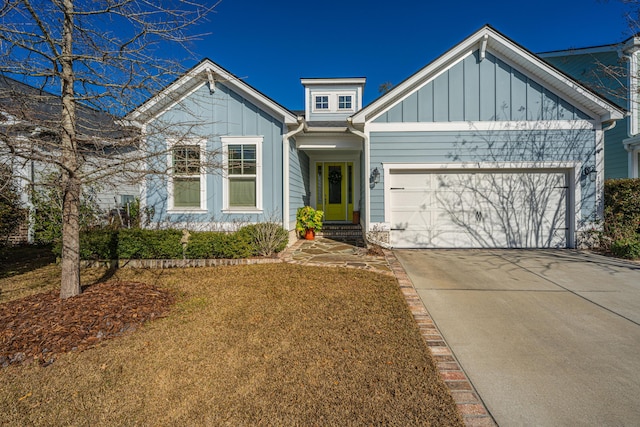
544	165
482	126
517	55
200	75
335	81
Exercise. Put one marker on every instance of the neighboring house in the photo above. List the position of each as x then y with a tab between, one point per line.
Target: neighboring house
611	70
486	146
29	129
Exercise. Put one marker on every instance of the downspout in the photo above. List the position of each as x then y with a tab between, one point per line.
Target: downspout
366	166
285	170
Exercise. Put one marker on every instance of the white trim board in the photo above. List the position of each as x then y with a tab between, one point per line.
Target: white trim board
482	126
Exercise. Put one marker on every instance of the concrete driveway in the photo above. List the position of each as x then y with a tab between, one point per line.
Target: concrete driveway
548	338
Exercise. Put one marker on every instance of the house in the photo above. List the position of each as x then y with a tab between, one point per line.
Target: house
611	70
29	146
486	146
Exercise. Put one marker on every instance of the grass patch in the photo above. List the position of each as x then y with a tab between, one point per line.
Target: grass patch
274	344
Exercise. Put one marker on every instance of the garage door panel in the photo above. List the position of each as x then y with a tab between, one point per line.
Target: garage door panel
472	209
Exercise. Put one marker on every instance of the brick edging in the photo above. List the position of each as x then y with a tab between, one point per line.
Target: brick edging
473	411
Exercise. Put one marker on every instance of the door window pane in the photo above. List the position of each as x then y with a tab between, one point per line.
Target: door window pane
319	188
335	184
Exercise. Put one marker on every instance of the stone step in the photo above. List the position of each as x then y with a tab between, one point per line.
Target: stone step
343	232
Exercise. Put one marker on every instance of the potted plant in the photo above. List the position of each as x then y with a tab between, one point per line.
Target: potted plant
308	221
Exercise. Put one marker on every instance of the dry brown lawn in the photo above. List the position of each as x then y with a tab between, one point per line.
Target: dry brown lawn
274	344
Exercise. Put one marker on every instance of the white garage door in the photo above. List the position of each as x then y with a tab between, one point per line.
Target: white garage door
498	209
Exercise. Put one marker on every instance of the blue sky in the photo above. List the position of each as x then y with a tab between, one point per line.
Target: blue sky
272	44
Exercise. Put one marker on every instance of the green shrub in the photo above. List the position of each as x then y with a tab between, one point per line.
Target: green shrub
622	209
47	218
266	238
201	244
626	248
99	243
149	244
11	212
234	245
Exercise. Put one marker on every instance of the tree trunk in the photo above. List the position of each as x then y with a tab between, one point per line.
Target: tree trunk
70	283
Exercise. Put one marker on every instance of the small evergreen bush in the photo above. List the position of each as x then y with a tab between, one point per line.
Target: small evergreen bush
99	243
149	244
233	245
201	244
626	248
622	217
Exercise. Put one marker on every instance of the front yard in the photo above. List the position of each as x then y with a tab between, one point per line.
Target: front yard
275	344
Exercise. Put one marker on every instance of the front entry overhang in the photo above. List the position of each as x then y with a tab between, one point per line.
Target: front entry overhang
329	141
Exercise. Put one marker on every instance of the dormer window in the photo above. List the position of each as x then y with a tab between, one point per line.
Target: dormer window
322	102
344	102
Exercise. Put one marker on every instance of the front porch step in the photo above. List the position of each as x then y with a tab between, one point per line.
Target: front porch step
349	233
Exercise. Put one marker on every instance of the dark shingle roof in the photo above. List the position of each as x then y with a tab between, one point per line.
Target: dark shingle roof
40	108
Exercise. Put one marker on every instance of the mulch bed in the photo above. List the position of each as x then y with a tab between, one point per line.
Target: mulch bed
38	327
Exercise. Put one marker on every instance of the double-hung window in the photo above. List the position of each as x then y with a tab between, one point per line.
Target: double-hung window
243	181
344	102
322	102
187	183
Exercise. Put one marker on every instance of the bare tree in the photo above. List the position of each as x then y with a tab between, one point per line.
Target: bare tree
86	57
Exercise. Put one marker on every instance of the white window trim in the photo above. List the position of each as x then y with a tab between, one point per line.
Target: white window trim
321	110
349	94
203	176
241	140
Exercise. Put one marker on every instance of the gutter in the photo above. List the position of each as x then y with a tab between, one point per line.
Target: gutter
285	170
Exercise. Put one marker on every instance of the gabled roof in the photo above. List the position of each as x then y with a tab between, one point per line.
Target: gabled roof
487	38
206	71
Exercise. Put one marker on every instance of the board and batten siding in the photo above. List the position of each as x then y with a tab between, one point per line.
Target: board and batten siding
210	116
487	90
299	188
482	147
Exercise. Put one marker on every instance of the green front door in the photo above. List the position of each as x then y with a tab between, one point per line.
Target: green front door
337	191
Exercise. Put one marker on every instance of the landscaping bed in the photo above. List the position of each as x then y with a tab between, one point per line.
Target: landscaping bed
273	344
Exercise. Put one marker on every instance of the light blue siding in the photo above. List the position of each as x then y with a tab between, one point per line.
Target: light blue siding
440	99
486	90
471	86
299	188
483	146
410	108
425	103
486	69
210	116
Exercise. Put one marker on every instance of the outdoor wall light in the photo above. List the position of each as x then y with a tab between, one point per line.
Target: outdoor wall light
589	171
375	176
